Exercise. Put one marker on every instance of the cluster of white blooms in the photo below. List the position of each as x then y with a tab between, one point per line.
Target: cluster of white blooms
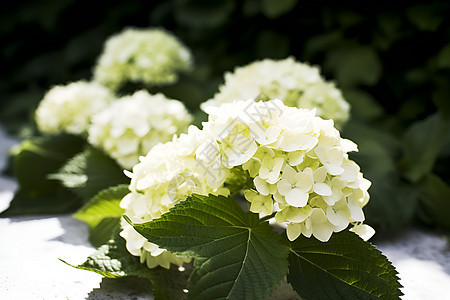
169	173
297	84
130	126
70	108
150	56
297	161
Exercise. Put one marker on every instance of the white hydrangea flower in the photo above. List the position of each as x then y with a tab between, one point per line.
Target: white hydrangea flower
151	56
130	126
298	164
69	108
169	173
297	84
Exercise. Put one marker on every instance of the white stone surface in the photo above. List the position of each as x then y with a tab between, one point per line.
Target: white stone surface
31	246
7	185
29	261
422	258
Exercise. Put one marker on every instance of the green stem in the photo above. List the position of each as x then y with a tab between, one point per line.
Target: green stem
266	218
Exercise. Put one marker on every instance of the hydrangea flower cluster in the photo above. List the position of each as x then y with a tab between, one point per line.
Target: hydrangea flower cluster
297	84
297	165
131	125
150	56
69	108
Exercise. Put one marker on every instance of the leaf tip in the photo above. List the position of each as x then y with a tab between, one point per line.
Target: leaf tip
62	260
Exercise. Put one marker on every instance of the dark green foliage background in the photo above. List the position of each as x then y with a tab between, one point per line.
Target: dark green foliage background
392	62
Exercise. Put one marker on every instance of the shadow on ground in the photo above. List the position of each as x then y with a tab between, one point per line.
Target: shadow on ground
132	288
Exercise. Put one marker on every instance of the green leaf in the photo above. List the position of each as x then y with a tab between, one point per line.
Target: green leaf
345	267
14	116
365	136
104	204
392	202
266	38
443	57
363	105
102	213
321	42
101	233
33	160
61	201
435	200
275	8
425	17
38	157
421	145
236	255
202	14
89	172
251	8
114	261
441	96
355	64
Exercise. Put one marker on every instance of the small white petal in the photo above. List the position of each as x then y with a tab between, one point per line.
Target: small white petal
296	157
334	169
322	228
274	175
298	214
289	174
351	170
250	195
320	174
364	231
267	136
253	166
293	231
235	157
307	228
322	189
349	146
356	212
284	187
279	198
297	197
332	216
261	185
303	181
334	156
153	248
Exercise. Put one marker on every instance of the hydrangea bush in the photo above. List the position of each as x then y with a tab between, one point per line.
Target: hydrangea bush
297	84
69	108
132	125
284	160
286	163
150	56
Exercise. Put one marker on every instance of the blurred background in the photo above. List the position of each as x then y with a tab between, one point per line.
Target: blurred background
392	62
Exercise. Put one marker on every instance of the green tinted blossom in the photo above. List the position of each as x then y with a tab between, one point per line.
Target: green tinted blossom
296	166
149	56
297	84
130	126
69	108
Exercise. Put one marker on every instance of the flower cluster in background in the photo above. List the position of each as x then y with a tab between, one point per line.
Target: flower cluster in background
132	125
297	84
149	56
296	163
126	127
70	108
